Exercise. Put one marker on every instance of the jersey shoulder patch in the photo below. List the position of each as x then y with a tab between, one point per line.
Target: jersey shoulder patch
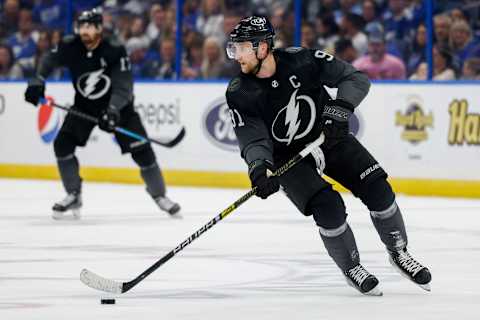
234	84
242	93
294	49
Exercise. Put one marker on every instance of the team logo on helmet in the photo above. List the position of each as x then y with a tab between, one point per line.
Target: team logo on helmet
258	21
93	85
48	122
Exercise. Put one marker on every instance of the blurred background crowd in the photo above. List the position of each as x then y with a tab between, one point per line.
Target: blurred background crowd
385	38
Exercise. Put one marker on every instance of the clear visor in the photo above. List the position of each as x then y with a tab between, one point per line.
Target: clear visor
234	49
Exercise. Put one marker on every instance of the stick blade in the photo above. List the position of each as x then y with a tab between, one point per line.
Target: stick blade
172	143
97	282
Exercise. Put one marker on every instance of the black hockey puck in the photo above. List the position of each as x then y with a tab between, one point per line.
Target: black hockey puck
107	301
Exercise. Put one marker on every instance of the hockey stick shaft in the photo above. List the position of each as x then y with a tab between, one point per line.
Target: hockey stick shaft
168	144
97	282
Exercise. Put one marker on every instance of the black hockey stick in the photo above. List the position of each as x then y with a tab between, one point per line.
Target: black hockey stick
169	144
95	281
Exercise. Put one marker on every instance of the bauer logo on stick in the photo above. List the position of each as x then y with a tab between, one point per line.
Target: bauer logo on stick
48	121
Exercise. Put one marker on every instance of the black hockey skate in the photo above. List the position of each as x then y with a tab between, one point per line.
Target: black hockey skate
72	202
165	204
410	268
362	280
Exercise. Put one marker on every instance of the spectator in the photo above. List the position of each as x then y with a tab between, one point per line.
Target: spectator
157	17
462	43
458	15
421	73
213	58
351	28
230	20
23	42
344	50
442	65
328	30
51	13
190	14
55	37
442	24
471	69
346	7
9	18
210	20
308	36
165	68
417	54
442	61
137	33
378	64
370	13
136	7
8	71
137	51
29	64
397	22
278	23
191	68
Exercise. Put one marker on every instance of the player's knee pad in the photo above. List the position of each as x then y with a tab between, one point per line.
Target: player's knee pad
64	145
144	157
328	209
378	195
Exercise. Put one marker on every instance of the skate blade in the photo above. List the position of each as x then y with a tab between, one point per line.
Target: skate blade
174	212
63	215
176	215
374	292
425	287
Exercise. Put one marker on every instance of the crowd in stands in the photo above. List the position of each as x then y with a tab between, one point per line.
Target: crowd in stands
384	38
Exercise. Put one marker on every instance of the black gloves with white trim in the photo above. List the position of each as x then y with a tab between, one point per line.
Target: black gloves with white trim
109	119
35	90
335	122
259	172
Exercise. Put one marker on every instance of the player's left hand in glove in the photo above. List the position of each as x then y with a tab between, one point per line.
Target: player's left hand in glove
109	119
35	90
335	122
258	173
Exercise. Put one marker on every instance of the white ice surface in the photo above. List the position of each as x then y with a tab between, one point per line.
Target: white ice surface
264	261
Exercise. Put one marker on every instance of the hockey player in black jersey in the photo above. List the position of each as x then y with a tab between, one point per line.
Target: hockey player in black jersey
103	83
279	105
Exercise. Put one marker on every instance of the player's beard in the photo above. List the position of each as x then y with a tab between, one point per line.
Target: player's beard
250	68
90	41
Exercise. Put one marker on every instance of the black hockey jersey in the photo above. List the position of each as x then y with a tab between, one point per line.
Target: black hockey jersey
276	117
101	77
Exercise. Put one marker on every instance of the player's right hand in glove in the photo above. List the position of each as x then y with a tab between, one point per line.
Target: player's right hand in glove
335	118
35	91
109	119
258	173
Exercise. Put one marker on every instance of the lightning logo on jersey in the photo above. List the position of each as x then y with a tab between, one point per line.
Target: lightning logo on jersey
93	85
288	129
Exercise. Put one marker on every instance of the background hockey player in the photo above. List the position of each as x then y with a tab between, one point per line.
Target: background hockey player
102	79
279	105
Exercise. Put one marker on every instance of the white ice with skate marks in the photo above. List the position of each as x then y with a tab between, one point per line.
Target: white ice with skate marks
264	261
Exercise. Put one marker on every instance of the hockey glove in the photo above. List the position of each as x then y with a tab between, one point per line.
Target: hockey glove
335	122
266	185
109	119
35	91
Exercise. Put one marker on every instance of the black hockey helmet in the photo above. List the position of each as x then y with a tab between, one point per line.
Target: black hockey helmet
93	16
254	29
